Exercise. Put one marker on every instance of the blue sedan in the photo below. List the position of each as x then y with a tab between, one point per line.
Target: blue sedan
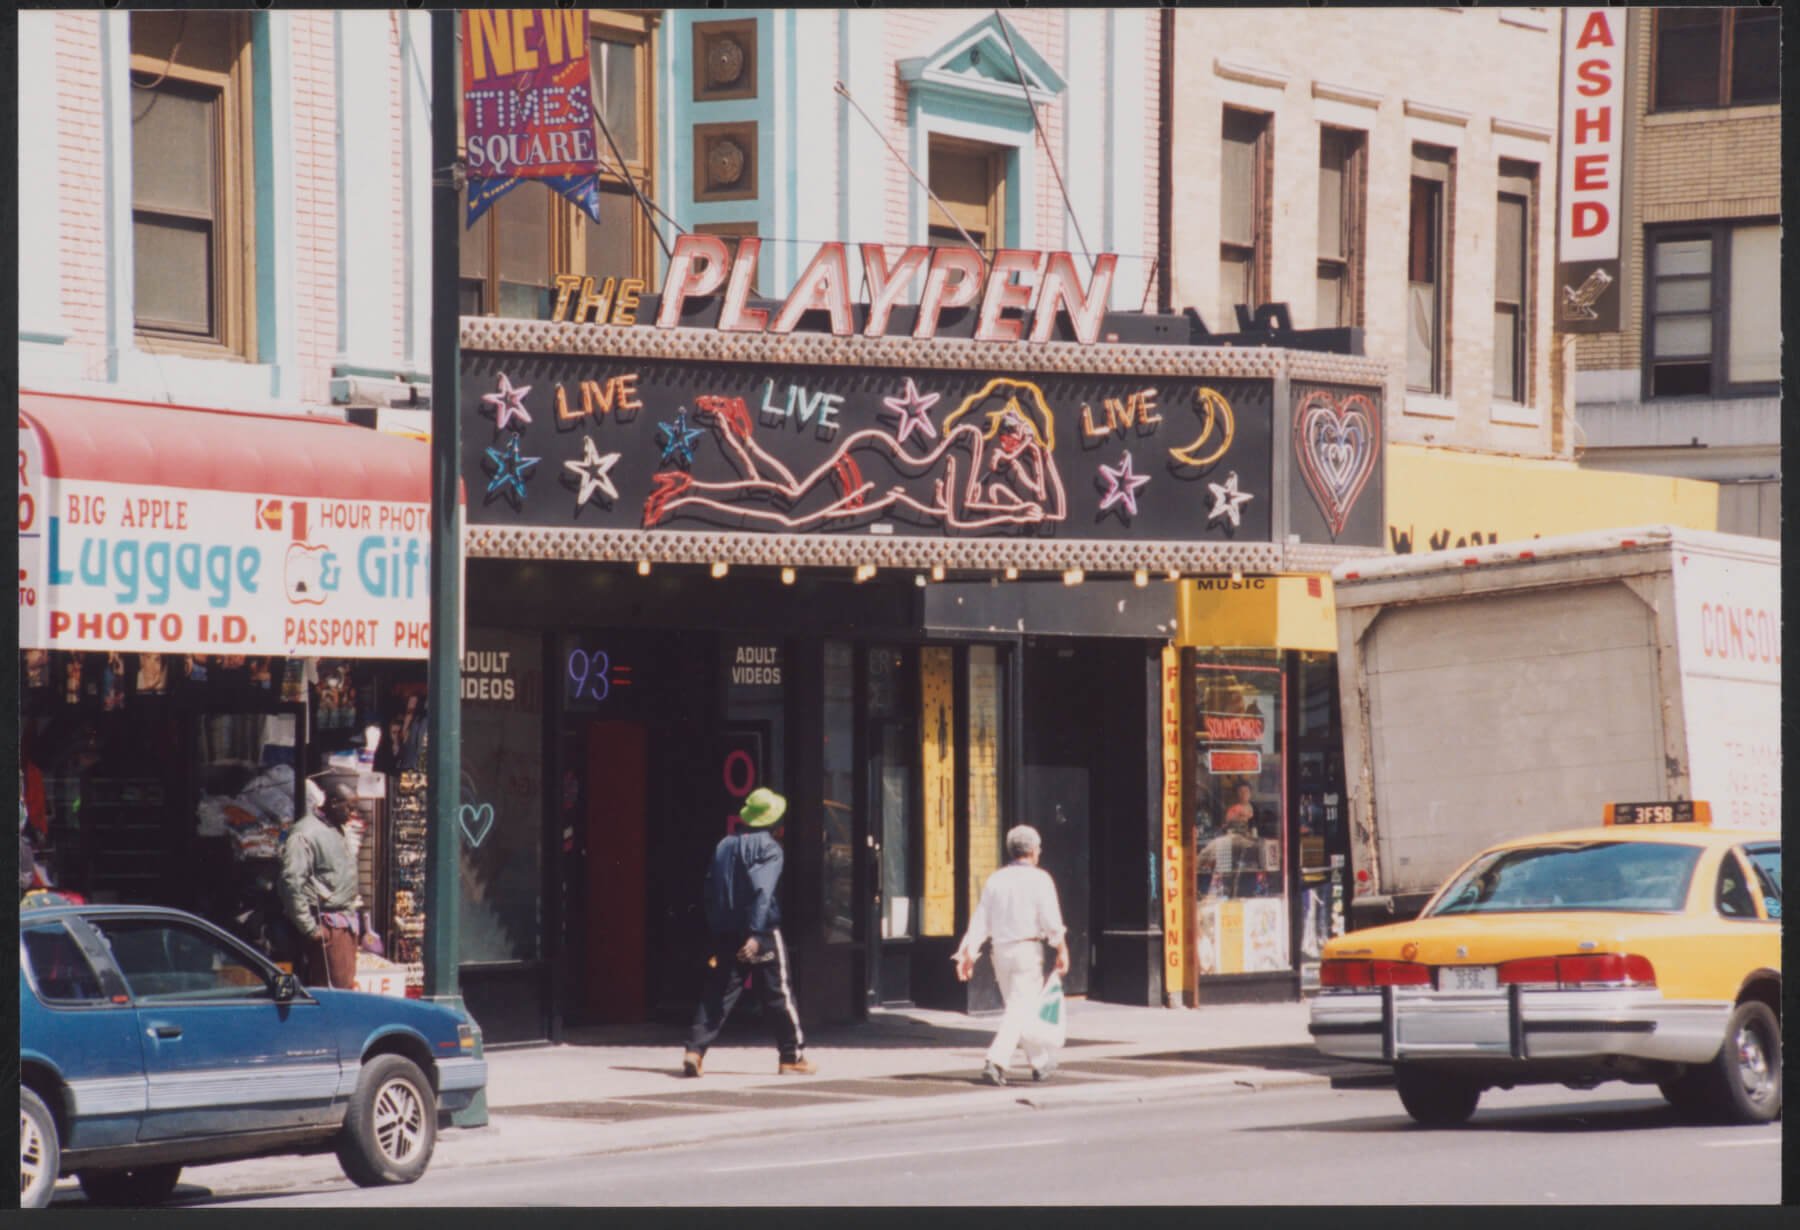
150	1039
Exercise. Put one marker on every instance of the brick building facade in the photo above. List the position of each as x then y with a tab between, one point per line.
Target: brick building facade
1702	190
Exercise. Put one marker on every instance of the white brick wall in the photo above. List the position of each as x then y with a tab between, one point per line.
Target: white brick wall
1478	63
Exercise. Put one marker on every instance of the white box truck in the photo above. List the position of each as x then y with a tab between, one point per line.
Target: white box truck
1495	691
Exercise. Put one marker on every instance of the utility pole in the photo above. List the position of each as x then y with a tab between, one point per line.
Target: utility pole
443	863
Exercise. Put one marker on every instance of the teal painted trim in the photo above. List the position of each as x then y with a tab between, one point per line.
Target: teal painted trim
1013	221
263	142
43	339
951	103
378	373
789	265
682	113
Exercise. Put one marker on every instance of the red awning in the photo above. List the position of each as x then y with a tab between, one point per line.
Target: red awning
177	446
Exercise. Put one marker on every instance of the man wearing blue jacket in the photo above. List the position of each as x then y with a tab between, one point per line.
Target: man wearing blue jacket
745	920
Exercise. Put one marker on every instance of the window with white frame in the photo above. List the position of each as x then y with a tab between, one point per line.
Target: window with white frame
1428	269
1341	188
1244	173
1714	308
192	178
1514	213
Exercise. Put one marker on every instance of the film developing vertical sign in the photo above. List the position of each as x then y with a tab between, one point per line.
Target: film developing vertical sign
1175	888
1588	223
528	105
937	722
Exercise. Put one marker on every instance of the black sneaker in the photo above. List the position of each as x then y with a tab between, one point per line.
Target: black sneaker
1043	1073
991	1074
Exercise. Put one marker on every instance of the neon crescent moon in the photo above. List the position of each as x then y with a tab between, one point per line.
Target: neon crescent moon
1216	408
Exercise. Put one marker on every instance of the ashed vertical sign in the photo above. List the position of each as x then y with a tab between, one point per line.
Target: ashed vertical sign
1593	121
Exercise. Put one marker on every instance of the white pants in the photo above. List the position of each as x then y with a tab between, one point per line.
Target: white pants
1019	969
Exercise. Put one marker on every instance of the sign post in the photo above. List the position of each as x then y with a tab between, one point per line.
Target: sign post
443	879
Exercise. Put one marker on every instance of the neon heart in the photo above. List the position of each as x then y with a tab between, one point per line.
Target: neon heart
477	822
1337	444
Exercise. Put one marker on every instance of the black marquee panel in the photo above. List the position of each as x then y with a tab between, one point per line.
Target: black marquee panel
681	445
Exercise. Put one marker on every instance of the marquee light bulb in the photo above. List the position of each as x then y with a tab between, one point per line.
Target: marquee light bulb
720	568
1012	574
1237	576
643	568
1174	574
1073	576
937	572
919	579
1140	578
787	576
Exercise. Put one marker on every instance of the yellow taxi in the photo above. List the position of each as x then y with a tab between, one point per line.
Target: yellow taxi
1646	950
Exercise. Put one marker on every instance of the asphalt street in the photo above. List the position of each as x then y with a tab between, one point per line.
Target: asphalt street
1302	1145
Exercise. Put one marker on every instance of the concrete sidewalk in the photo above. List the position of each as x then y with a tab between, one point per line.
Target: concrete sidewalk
616	1089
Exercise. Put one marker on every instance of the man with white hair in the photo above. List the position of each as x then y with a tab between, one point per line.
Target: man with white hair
1019	914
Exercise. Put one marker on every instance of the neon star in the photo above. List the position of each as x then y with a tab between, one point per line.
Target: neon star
1227	499
594	469
510	471
912	406
678	440
1122	486
508	403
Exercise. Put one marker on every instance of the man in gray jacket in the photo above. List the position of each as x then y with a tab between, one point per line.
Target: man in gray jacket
745	920
318	887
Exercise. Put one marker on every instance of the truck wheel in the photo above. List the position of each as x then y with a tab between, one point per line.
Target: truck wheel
391	1129
133	1187
1744	1079
1436	1099
40	1151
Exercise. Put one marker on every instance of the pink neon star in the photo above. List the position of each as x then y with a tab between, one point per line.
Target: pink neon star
508	403
911	407
1122	486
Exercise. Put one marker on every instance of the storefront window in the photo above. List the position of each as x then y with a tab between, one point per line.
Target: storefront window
984	708
894	745
500	813
1240	814
1320	839
838	883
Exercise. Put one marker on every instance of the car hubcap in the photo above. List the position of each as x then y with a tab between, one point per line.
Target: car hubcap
31	1154
1753	1065
399	1120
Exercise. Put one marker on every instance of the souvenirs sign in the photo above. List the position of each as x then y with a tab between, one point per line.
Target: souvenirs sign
528	108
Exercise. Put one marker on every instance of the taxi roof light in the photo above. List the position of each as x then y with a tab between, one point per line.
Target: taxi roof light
1651	815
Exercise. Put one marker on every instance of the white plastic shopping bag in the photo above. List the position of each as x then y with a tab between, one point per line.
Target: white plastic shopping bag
1051	1012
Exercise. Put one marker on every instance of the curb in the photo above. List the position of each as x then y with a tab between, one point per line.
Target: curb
562	1139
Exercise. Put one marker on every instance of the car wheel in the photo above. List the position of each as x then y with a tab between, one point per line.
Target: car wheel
1744	1079
40	1150
133	1187
392	1125
1436	1099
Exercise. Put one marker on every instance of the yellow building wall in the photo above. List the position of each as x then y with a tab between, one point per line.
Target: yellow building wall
1438	499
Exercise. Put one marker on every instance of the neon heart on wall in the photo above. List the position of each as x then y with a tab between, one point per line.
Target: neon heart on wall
1337	442
477	822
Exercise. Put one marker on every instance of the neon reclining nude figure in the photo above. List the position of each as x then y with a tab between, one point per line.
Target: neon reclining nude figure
997	474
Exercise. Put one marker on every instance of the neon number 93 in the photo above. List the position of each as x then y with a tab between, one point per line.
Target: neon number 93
588	673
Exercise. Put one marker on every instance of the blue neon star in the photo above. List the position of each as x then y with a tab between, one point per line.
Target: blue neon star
510	471
678	440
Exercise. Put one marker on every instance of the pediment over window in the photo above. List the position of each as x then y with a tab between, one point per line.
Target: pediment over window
979	63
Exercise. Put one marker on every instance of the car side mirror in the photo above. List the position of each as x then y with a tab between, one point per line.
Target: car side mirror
287	988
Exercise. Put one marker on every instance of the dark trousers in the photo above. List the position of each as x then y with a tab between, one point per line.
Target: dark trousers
331	962
768	981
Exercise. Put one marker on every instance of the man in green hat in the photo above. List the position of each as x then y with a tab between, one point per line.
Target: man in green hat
745	920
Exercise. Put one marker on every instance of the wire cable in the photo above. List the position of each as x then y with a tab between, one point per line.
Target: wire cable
840	88
1037	123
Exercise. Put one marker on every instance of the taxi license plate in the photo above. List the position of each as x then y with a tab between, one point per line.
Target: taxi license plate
1468	978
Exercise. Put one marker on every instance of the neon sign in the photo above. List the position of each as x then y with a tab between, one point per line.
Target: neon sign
592	676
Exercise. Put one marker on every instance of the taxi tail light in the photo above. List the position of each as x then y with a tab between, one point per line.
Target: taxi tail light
1358	974
1609	968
